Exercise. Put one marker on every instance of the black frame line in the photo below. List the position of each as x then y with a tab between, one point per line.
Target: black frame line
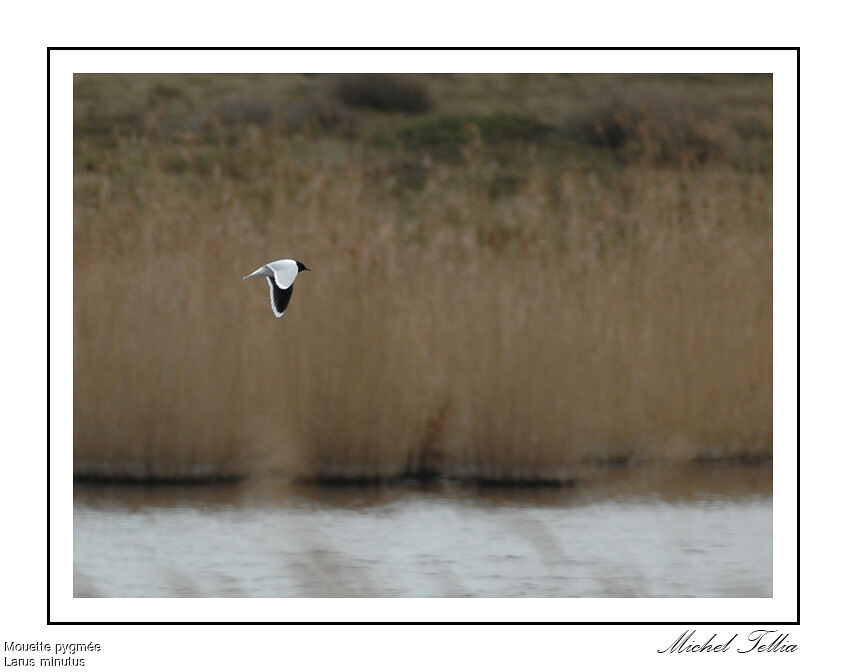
423	49
592	623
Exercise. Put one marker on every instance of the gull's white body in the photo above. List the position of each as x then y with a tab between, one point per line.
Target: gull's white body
281	275
283	271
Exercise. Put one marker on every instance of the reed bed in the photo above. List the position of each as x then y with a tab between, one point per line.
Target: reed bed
447	329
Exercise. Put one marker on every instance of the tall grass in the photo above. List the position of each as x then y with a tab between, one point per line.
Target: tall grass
443	331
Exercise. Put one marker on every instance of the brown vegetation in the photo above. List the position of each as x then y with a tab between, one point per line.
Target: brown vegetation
505	312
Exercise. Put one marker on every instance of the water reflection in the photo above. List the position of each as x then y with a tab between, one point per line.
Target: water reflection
626	531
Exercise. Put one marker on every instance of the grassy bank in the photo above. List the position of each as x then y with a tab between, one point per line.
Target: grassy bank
500	289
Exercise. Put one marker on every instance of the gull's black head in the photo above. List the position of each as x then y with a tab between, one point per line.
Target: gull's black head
301	266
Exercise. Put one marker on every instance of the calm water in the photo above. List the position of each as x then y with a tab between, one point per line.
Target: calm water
634	532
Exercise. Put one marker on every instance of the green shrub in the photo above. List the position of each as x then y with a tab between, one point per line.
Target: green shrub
447	133
510	127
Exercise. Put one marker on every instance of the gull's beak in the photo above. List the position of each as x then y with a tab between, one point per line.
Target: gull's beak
306	269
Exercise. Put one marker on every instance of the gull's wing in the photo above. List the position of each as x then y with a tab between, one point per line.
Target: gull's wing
279	297
285	271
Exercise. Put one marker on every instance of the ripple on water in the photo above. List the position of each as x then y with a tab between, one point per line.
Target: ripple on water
613	536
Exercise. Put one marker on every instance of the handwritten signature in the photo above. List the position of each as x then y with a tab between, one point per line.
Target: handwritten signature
758	641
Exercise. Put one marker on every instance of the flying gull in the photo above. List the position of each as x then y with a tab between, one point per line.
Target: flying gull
281	275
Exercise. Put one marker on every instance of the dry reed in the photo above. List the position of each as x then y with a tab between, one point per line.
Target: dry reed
442	331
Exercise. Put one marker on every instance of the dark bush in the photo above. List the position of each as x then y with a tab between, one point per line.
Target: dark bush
659	129
383	92
609	125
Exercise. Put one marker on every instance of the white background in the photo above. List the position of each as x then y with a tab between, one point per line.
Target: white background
500	647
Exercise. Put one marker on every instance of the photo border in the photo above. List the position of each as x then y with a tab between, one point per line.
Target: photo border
49	621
